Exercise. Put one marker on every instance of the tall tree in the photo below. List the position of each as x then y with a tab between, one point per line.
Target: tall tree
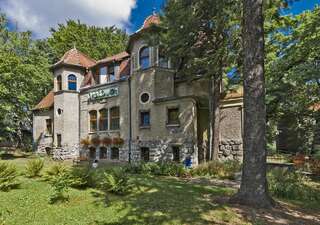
24	79
254	188
96	42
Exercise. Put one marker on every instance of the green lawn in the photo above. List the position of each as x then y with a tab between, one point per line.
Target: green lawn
158	200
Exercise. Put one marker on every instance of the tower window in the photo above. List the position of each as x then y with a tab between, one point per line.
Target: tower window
93	121
72	82
49	126
59	140
144	58
103	119
59	83
115	118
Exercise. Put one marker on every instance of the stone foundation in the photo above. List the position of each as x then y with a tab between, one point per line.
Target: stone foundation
231	150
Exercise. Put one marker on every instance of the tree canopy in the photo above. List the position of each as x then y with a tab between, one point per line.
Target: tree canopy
96	42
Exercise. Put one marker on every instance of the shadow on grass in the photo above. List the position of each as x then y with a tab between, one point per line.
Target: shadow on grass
4	155
165	200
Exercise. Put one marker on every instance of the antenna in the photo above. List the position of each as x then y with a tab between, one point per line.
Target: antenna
154	9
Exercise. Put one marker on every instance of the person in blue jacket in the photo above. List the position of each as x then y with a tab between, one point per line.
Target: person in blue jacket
188	162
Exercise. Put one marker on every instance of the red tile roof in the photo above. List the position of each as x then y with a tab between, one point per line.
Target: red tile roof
46	102
118	57
151	20
77	58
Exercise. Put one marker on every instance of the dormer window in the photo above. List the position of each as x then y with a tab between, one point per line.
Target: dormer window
111	73
59	83
72	82
144	58
103	78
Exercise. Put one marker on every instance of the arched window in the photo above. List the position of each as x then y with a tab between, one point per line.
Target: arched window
59	83
144	59
103	119
72	82
93	121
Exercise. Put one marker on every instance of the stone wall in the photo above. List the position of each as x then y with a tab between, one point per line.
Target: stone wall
66	152
231	150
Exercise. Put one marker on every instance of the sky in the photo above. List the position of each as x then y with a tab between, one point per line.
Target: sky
40	15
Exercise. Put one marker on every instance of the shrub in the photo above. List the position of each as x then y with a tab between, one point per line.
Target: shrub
83	177
60	185
117	181
290	185
218	169
55	170
34	167
8	177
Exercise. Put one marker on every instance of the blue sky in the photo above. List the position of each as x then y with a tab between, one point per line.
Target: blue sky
35	15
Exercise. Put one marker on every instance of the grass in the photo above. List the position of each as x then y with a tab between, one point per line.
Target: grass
156	200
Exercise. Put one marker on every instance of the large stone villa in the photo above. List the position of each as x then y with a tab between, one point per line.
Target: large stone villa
131	105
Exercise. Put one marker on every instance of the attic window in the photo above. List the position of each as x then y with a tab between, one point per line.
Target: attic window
59	83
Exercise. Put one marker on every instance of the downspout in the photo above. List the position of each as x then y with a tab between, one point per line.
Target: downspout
130	119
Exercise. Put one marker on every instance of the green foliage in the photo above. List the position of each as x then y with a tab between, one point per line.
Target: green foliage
117	181
94	41
58	169
25	79
34	167
60	185
158	169
8	176
218	169
291	185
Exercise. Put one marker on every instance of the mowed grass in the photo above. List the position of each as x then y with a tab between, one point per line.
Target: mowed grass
156	200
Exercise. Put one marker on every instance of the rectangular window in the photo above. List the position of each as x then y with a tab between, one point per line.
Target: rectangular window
103	120
93	121
176	153
173	116
145	154
145	119
115	153
115	118
59	140
103	153
111	74
49	126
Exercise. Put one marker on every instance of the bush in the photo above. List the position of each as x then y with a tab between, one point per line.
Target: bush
218	169
55	170
8	177
117	181
83	177
315	166
60	185
34	167
290	185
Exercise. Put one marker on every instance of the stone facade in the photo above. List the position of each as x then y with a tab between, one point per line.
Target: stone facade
170	124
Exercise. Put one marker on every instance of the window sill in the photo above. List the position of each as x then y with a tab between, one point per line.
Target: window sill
173	125
48	136
145	127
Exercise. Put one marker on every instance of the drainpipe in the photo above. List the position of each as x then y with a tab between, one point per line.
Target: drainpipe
130	119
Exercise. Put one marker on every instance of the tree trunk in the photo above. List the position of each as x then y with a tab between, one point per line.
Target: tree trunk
214	113
254	188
